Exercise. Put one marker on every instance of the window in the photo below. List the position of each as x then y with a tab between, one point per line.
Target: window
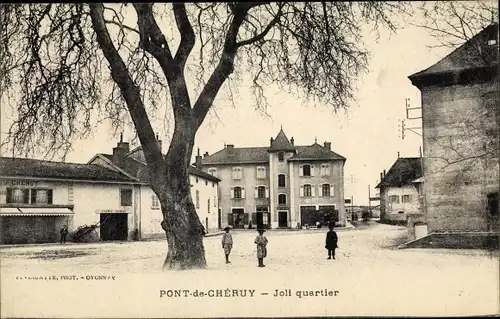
261	192
212	171
261	172
209	205
196	180
325	190
492	42
126	197
281	156
215	201
237	193
325	169
401	212
17	196
237	173
155	203
41	196
406	198
206	182
306	170
213	184
307	191
197	199
282	199
394	199
281	180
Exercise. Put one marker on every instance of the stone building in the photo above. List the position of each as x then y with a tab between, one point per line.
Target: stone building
460	116
281	185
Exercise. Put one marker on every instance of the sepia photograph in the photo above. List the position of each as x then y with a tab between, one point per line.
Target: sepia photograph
249	159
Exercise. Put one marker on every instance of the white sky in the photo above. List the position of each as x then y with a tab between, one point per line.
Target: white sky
367	135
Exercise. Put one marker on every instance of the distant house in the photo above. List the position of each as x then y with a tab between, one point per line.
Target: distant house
400	192
279	185
204	190
38	197
460	116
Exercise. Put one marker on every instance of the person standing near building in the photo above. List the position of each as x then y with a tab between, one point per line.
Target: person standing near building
227	243
331	241
261	242
64	233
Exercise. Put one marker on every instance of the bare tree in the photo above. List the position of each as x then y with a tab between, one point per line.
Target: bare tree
53	55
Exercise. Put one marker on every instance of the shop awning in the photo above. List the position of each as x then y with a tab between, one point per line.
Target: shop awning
35	211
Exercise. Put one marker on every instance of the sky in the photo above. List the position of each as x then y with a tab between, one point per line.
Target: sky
367	135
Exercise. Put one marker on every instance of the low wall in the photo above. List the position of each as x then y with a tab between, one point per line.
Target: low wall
458	240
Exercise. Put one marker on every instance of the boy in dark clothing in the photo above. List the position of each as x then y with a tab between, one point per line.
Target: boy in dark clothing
331	242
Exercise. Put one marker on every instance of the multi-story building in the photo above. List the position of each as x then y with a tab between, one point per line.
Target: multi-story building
204	190
282	185
460	117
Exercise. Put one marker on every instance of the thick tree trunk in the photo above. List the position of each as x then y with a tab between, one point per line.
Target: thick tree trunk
181	223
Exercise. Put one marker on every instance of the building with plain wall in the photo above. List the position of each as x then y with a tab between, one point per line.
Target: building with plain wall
204	190
282	185
460	118
38	197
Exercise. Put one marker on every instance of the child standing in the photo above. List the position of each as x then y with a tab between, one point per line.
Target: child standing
227	244
261	242
331	241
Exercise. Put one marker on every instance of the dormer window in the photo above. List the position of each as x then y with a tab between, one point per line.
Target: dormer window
281	156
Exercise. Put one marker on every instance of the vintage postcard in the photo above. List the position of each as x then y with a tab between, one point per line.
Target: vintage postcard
249	159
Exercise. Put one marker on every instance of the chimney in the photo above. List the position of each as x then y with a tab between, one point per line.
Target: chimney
398	154
381	177
384	173
159	142
230	148
119	152
205	155
292	141
198	163
328	146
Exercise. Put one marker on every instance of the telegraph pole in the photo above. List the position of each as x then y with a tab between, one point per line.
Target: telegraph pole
369	201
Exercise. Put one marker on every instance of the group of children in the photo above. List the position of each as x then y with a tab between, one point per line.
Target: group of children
261	242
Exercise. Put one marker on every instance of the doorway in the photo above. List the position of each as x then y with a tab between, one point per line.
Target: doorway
114	226
283	218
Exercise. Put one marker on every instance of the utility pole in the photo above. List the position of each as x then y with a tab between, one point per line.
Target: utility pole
369	202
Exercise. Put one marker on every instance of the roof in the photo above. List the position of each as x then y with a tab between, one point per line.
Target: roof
26	167
315	152
259	155
473	54
136	166
403	172
281	143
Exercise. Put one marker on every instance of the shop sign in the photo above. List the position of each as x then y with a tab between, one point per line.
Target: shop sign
111	211
19	182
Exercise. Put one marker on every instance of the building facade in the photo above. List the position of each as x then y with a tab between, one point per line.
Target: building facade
38	197
400	194
204	190
460	117
282	185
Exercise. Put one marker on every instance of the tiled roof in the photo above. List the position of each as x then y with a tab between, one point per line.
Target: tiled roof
403	172
135	166
475	53
281	143
315	152
241	155
257	155
24	167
